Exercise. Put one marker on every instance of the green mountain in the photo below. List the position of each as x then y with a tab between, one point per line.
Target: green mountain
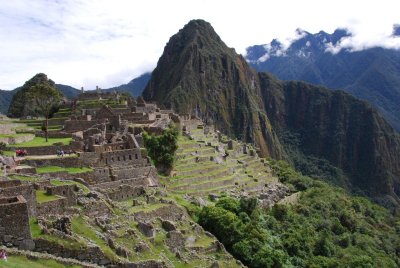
199	74
68	91
5	99
135	87
19	100
371	74
323	132
332	125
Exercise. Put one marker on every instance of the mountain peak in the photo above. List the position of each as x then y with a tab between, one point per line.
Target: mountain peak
195	31
199	75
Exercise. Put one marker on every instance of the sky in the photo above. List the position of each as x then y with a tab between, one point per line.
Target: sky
105	43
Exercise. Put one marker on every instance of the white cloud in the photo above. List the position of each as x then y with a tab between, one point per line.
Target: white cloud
108	42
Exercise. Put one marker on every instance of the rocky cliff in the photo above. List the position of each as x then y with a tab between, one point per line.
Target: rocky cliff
199	74
335	126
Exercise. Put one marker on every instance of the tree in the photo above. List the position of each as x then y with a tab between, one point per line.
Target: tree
44	98
162	148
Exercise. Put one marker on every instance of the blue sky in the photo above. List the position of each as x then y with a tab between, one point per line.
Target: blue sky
109	42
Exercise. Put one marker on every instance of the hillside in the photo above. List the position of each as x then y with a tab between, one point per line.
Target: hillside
346	139
5	99
371	74
135	87
332	125
68	91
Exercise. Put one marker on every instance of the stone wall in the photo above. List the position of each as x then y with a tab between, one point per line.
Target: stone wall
129	173
67	191
121	183
127	157
54	207
79	125
59	161
42	150
167	212
14	222
124	192
17	139
8	128
14	188
86	176
56	121
54	134
89	158
91	254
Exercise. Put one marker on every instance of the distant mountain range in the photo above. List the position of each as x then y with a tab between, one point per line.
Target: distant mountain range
134	87
371	74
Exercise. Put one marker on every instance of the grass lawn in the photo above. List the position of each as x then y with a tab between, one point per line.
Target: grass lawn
42	197
18	261
41	141
49	169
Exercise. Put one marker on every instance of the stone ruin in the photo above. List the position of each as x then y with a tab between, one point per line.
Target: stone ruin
109	141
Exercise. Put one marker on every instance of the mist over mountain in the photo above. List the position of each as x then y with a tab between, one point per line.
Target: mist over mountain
198	73
371	74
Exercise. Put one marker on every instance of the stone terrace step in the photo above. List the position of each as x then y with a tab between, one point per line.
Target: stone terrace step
201	169
192	159
202	178
227	181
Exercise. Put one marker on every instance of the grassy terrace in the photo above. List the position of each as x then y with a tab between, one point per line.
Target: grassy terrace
24	178
85	230
18	261
41	141
68	182
50	169
43	197
68	243
54	182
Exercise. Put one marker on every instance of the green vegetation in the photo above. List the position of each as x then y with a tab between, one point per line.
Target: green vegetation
82	228
40	141
68	243
161	148
326	228
71	170
68	182
42	197
24	178
2	148
18	261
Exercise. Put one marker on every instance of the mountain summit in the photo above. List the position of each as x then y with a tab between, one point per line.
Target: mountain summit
199	74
